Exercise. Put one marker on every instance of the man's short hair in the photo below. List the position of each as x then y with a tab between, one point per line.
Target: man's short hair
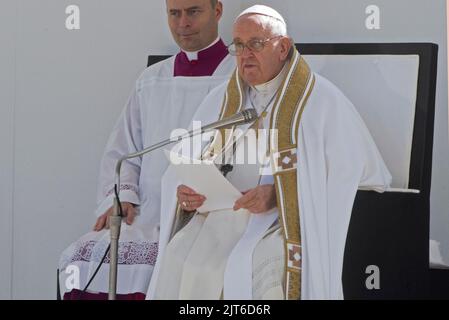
213	3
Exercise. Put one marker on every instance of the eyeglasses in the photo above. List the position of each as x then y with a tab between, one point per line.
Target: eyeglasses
254	45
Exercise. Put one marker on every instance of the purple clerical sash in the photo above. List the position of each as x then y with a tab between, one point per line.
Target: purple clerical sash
208	61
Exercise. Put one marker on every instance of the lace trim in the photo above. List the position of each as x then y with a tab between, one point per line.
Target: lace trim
123	187
129	253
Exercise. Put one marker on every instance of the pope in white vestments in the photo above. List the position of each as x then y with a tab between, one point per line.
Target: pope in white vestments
165	97
319	153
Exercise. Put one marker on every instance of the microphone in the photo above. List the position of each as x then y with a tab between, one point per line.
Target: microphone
242	117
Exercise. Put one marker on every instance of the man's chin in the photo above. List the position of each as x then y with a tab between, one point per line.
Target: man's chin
252	80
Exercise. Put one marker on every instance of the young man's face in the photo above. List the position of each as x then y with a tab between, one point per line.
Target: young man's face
193	23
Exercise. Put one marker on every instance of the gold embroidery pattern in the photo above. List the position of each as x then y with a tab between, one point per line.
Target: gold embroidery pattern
284	161
294	255
232	104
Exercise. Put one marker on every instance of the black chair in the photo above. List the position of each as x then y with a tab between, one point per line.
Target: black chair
390	231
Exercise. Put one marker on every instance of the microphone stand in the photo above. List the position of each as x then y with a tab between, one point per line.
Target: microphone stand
115	220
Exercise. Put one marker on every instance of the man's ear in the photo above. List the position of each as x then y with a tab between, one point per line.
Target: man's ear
286	45
218	10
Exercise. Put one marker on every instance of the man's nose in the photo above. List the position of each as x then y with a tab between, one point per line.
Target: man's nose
184	21
246	52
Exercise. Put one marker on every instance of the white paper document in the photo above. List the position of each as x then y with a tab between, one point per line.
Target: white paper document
205	178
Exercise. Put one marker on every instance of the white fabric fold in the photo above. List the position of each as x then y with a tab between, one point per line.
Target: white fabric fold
238	276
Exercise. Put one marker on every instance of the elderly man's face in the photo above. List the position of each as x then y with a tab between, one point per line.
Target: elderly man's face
259	67
193	23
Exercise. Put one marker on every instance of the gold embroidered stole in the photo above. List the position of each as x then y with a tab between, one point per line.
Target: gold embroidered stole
285	120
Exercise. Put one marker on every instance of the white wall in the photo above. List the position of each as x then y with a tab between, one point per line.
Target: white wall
65	94
61	91
7	85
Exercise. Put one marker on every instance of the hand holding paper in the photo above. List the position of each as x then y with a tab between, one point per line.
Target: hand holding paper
188	198
207	180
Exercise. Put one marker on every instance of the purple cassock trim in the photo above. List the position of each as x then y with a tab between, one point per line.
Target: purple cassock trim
208	61
80	295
